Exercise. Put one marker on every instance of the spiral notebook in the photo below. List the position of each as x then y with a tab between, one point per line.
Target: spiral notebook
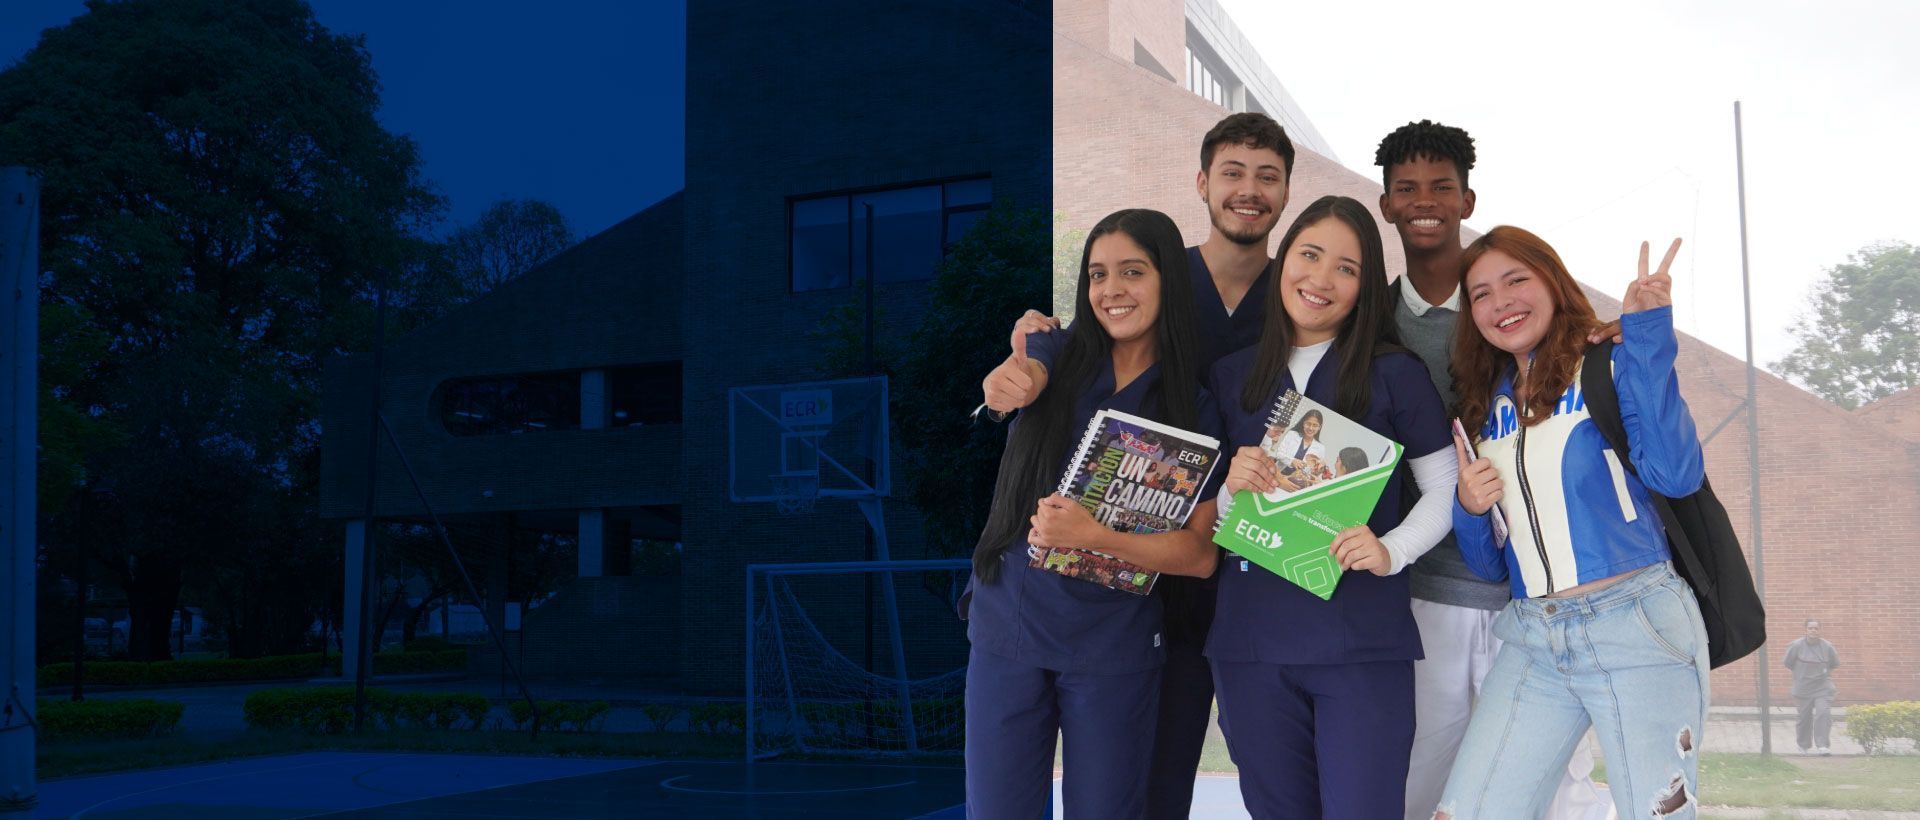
1134	475
1332	472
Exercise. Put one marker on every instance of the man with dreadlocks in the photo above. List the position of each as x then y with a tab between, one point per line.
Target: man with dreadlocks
1424	168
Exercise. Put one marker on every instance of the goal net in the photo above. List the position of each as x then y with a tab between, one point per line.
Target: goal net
811	630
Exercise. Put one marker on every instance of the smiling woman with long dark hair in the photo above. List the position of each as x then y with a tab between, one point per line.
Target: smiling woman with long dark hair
1057	656
1316	696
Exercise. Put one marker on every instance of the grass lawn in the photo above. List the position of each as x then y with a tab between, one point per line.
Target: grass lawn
1883	783
70	758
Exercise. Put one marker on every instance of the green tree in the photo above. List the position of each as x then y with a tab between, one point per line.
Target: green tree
510	238
1862	340
998	271
1068	246
218	202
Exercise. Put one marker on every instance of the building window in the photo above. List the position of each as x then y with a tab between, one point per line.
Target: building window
912	229
1207	79
644	394
511	404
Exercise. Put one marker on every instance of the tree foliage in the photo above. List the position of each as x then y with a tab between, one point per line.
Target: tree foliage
999	270
218	200
510	238
1861	341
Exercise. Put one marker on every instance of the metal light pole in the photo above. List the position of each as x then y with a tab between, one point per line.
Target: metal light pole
19	424
1753	430
369	636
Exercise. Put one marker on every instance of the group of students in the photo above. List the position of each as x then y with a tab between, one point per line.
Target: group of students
1356	706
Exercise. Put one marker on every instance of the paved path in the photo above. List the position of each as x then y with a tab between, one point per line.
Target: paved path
213	710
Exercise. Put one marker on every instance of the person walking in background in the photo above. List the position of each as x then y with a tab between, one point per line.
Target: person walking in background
1813	660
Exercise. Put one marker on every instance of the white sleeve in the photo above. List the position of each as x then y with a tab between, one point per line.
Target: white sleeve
1431	517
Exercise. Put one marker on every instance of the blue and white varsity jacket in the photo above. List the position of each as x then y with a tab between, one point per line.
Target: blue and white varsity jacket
1574	513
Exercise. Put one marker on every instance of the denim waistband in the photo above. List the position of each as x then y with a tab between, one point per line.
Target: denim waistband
1624	591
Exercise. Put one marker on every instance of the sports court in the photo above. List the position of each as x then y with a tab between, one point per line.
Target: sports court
401	785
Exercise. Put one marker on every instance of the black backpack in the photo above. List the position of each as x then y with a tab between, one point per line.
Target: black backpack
1705	551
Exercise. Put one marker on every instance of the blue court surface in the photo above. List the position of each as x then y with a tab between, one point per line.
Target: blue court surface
405	785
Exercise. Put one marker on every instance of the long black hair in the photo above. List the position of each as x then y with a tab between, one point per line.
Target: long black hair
1044	434
1367	332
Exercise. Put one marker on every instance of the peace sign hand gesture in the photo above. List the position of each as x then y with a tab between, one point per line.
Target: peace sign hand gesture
1647	292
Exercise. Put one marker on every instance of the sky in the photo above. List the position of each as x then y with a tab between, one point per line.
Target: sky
580	103
1599	125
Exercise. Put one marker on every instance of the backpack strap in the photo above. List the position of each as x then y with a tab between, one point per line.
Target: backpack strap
1603	409
1603	404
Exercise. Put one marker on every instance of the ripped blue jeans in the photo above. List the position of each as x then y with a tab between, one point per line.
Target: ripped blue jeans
1629	660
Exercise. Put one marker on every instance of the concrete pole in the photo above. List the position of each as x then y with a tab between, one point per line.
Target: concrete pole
593	543
19	424
594	415
353	609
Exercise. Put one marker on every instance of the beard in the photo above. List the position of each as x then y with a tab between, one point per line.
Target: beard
1239	234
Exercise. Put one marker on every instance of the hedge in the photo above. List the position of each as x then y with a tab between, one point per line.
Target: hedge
214	670
1874	725
719	718
561	715
66	719
329	709
659	715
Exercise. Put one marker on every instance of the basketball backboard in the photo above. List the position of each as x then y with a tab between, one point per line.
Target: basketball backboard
825	437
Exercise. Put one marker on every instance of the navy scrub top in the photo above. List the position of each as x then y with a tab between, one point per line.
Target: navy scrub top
1261	617
1050	621
1219	332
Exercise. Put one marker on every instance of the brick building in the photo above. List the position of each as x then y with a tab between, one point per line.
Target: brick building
656	317
1136	84
628	343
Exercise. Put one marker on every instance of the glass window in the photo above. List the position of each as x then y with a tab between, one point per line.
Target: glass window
912	228
511	404
959	222
906	234
977	192
644	394
820	244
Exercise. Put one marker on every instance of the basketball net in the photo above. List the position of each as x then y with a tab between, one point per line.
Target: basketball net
796	492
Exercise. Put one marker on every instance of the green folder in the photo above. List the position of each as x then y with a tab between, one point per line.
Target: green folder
1343	469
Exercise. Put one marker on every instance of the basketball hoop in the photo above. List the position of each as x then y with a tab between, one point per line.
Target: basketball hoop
794	493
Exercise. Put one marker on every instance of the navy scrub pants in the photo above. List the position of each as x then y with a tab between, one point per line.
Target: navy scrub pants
1319	740
1014	712
1186	707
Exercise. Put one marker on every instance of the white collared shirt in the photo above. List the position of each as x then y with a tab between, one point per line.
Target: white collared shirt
1418	304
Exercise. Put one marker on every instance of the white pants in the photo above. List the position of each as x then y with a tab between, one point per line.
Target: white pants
1460	647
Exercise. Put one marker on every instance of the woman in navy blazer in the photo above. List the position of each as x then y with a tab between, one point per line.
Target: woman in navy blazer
1316	696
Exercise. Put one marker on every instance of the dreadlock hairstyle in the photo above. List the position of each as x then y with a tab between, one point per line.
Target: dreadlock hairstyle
1043	435
1368	330
1425	138
1477	364
1251	129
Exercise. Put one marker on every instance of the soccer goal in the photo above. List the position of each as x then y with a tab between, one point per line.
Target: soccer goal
809	688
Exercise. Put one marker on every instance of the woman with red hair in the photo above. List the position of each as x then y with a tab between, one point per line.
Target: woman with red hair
1601	632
